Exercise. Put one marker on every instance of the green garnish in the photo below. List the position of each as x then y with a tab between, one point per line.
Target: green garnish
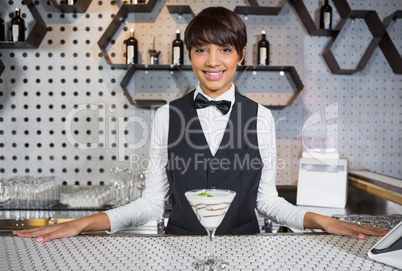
204	194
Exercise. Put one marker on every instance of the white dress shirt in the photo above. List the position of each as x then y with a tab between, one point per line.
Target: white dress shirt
152	203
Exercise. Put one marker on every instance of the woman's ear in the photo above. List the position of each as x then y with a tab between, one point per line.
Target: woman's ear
189	55
244	55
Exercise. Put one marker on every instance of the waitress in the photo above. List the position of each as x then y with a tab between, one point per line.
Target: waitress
212	137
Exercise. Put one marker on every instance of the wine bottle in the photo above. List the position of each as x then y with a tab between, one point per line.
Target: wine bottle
17	27
131	49
177	50
263	50
71	2
2	30
326	16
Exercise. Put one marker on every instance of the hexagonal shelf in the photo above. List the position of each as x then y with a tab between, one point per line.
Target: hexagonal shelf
377	30
36	34
80	7
276	100
256	9
273	100
2	67
148	99
387	46
180	9
118	19
341	6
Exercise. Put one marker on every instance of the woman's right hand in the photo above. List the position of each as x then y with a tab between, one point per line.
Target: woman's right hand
98	222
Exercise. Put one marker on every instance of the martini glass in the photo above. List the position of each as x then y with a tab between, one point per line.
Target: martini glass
210	207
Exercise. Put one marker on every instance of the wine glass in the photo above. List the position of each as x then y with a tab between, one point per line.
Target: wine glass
210	207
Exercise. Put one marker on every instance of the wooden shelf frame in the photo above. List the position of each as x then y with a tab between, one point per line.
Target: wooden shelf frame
341	6
36	34
256	9
388	47
119	19
80	7
377	30
180	9
2	67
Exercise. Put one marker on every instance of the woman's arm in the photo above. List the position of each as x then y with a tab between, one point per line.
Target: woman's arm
269	204
98	222
331	225
280	211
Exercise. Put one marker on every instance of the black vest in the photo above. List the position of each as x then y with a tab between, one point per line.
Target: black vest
236	166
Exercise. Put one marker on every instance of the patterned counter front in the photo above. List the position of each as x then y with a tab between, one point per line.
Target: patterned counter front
243	252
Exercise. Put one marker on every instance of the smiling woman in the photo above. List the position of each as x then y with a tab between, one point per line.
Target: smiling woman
209	28
215	48
214	66
197	133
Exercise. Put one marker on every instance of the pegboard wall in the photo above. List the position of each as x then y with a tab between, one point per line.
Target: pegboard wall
63	112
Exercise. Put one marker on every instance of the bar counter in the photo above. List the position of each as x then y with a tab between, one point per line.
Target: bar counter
308	251
129	250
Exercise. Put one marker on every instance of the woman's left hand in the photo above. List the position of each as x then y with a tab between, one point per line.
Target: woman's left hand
332	225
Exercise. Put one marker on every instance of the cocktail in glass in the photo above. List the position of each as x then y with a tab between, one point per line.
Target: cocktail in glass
210	207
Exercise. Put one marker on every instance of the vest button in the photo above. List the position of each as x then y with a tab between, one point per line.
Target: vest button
212	170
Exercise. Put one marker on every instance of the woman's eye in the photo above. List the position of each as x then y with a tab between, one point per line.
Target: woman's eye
199	50
226	50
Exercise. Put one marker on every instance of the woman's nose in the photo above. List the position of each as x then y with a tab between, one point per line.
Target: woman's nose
213	58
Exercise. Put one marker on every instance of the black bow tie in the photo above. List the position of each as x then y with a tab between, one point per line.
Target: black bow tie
202	102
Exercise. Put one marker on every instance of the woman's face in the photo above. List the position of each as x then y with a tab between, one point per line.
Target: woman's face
214	66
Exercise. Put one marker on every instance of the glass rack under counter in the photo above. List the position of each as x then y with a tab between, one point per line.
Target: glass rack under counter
51	193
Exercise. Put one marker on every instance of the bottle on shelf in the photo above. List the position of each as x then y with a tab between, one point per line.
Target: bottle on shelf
326	16
17	27
135	2
263	50
131	49
2	30
71	2
177	50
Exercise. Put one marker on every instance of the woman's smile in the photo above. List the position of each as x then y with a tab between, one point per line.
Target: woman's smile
213	75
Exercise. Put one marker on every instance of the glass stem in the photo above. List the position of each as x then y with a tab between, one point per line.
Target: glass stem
211	243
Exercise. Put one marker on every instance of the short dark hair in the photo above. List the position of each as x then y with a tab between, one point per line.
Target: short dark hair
219	26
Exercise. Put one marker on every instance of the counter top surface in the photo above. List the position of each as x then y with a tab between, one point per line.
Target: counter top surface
139	252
